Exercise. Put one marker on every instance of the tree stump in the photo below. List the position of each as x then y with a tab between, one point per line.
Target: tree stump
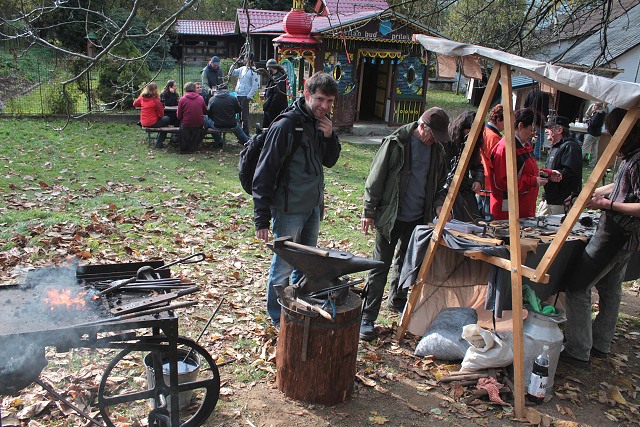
316	357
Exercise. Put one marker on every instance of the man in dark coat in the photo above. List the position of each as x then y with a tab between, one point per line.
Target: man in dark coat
212	77
223	108
563	168
291	200
275	96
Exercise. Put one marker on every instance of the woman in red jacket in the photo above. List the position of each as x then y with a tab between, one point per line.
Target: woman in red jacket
152	111
528	175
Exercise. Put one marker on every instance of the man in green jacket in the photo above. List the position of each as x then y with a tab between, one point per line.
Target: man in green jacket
405	188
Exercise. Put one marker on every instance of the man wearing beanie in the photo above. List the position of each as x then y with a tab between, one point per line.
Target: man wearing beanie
405	188
211	78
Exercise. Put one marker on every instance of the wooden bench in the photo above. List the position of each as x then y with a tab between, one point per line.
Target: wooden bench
173	129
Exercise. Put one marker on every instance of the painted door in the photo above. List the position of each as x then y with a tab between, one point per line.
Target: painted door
341	68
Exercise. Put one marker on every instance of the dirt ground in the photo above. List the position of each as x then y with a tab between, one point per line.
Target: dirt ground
393	388
402	392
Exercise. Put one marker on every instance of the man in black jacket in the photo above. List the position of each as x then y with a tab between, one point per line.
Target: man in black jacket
595	120
275	96
292	198
223	108
563	168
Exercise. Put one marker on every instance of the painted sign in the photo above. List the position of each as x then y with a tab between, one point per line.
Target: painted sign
382	30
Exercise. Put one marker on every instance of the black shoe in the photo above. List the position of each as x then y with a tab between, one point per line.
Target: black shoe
598	354
159	146
367	330
570	360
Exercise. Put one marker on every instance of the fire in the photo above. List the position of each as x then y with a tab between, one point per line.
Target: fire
59	298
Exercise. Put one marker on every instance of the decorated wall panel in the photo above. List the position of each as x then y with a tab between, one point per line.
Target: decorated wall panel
410	78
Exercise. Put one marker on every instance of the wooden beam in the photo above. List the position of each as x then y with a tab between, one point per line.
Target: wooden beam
514	238
477	128
585	195
527	272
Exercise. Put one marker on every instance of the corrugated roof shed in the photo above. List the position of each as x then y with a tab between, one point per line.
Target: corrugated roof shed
622	35
204	28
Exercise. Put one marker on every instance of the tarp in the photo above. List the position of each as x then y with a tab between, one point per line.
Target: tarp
615	92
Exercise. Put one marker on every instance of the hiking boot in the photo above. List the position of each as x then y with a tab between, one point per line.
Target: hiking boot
367	330
576	363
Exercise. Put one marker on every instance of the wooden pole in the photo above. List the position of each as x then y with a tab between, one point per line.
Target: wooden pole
585	195
476	130
514	248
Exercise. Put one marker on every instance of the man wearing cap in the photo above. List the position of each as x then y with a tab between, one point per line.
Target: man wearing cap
211	78
563	168
405	188
275	95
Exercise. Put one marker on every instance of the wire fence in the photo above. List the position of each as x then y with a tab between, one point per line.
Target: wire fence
35	87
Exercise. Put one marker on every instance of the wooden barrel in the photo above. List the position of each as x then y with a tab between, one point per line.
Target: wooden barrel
316	357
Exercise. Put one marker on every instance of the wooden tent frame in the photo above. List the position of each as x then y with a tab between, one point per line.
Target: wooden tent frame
502	72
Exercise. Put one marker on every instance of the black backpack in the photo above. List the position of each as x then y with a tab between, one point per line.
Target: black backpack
250	153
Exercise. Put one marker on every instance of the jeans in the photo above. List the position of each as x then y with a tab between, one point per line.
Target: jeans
244	117
162	122
581	334
539	141
288	224
377	278
484	206
217	138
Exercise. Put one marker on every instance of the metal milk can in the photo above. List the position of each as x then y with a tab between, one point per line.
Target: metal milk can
540	329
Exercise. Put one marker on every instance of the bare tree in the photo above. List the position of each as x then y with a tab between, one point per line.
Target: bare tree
106	25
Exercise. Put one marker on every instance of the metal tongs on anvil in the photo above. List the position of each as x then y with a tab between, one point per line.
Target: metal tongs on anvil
322	271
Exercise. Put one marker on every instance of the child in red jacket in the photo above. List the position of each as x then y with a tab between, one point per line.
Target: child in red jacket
152	111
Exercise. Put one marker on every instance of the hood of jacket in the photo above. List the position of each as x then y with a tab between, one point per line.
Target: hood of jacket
191	95
222	94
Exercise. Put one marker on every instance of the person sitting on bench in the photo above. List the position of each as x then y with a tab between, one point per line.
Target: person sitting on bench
191	111
223	108
152	111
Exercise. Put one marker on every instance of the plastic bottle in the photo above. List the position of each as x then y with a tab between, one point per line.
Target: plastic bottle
539	376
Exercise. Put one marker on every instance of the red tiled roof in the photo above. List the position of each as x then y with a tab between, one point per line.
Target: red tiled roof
270	21
258	18
204	28
353	6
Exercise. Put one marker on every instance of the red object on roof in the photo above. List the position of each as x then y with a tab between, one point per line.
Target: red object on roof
297	26
205	28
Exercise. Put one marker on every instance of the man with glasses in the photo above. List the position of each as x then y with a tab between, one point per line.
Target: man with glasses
563	168
405	188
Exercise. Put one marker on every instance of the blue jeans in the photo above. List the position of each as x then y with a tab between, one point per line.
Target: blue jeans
217	138
537	150
288	224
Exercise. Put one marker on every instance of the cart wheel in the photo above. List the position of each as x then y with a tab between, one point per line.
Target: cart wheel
129	386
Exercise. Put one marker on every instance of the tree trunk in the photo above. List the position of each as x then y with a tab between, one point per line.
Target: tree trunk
315	357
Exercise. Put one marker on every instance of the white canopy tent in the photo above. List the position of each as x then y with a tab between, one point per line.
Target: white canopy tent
620	94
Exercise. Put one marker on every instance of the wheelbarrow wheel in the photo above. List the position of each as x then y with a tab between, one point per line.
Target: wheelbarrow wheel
123	391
